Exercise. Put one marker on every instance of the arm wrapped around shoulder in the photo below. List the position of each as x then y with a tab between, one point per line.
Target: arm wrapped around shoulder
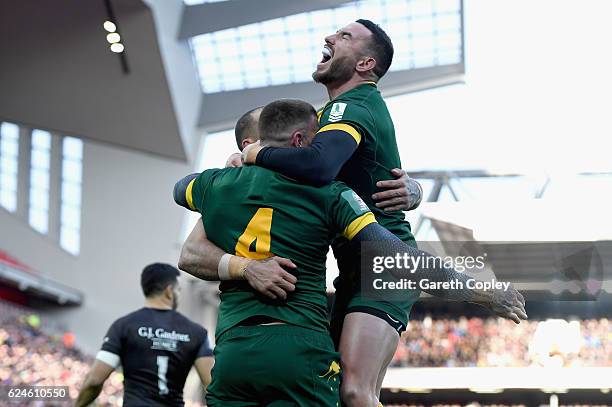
318	164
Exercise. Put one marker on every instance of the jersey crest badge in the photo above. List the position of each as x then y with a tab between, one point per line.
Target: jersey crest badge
362	205
355	201
337	111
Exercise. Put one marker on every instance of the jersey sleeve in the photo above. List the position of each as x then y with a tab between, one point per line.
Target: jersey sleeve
111	345
190	190
204	350
112	339
348	213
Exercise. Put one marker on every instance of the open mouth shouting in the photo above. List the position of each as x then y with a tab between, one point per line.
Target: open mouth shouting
328	54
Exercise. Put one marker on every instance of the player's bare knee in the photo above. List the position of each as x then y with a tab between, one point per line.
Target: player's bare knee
356	394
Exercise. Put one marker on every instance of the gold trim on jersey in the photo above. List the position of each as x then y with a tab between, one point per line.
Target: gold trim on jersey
342	127
319	114
189	195
355	226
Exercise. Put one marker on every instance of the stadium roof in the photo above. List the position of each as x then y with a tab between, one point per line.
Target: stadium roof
246	53
58	74
15	273
286	50
255	61
531	243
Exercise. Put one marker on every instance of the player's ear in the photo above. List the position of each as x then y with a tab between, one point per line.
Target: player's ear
246	142
168	291
365	64
297	139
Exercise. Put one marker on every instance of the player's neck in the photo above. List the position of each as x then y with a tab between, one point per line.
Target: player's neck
157	303
336	90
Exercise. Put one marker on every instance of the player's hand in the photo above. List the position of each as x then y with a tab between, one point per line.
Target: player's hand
400	194
269	278
234	160
249	153
508	304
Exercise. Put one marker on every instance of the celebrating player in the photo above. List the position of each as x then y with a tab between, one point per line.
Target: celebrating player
271	213
156	346
355	144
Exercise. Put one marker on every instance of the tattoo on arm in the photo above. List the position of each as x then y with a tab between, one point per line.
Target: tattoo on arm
415	191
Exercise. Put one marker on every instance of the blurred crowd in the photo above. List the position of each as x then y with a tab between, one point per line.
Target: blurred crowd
28	356
501	343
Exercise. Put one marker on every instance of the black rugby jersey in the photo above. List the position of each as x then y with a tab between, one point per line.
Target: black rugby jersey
157	349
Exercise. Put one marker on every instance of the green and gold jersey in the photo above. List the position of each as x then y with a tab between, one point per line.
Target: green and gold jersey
363	114
257	213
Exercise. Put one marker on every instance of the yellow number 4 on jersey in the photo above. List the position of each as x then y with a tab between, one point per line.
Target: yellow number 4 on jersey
258	232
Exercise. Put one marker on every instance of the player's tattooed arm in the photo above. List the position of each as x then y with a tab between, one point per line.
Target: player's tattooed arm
203	259
199	256
400	194
317	164
508	304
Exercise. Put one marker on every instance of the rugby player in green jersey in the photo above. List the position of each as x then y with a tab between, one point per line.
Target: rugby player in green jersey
270	214
355	144
253	212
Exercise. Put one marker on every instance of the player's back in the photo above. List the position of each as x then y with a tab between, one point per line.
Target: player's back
364	108
157	348
258	213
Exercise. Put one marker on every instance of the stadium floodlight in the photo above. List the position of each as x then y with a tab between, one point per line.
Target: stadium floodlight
117	47
113	38
110	26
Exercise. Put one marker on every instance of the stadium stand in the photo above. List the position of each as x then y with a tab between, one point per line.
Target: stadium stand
477	342
29	355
